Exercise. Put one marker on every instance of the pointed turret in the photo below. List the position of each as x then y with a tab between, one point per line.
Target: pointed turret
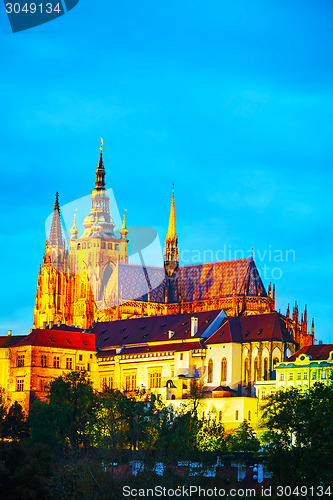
171	254
270	290
288	312
74	230
124	231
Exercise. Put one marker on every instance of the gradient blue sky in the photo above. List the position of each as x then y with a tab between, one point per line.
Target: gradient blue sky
232	101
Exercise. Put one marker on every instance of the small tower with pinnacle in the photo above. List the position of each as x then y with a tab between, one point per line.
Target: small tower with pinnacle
171	253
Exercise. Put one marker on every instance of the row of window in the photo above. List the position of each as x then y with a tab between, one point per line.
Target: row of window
103	245
236	415
55	363
224	366
315	375
154	381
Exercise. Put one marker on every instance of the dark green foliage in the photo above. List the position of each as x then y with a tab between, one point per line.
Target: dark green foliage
243	439
300	436
25	473
74	397
47	423
15	424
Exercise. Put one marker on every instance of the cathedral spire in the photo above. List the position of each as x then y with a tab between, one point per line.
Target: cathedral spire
100	171
56	238
172	219
171	254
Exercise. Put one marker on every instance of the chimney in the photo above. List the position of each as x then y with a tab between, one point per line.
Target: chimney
51	324
170	334
10	332
194	326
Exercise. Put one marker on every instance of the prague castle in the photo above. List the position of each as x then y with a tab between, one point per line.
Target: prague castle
132	327
91	280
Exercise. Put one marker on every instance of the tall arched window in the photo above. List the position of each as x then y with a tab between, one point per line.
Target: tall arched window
210	371
275	361
236	415
246	371
223	371
255	369
265	368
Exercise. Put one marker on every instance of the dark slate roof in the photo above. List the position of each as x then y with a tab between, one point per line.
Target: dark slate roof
59	338
223	388
134	282
151	329
219	280
316	352
216	279
269	326
168	347
10	340
67	328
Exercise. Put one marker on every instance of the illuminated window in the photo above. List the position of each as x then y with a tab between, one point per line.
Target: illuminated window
281	376
130	382
223	370
291	376
20	360
210	371
256	369
314	375
298	375
56	362
117	247
20	384
110	383
249	415
43	385
154	380
236	415
69	363
323	375
80	357
305	376
43	360
181	356
265	368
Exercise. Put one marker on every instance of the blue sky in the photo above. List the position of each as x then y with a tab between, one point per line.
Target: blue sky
232	101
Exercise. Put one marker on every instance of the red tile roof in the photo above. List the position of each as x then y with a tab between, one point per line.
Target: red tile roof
59	338
152	329
318	351
258	327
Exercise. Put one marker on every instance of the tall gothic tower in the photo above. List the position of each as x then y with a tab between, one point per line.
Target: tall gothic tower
171	253
73	283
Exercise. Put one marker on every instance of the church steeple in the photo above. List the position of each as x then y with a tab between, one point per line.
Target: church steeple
55	237
171	254
99	222
100	171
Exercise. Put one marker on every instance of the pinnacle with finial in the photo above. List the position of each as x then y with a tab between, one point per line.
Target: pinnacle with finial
172	219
